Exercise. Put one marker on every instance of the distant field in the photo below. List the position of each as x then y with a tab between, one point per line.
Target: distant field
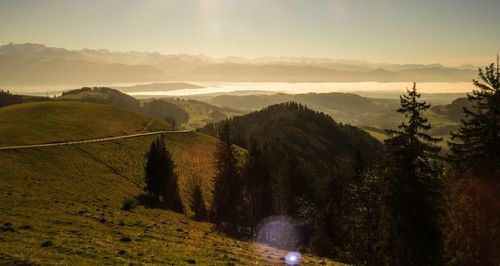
379	136
201	113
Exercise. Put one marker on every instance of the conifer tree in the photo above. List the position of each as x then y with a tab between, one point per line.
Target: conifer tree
161	180
227	187
258	183
410	233
198	204
364	211
478	140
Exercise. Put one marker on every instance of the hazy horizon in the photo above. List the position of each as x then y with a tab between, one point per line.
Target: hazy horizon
265	59
448	32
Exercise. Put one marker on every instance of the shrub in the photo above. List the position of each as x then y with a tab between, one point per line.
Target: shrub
128	204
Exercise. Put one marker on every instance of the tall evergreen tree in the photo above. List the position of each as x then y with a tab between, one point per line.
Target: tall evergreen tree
161	180
410	232
257	177
227	187
478	145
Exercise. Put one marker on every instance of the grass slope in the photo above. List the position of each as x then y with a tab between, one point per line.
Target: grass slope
40	122
72	197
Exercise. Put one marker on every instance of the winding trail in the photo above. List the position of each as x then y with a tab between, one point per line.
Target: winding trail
74	142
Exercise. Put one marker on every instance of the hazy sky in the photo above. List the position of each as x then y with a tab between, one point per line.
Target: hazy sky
397	31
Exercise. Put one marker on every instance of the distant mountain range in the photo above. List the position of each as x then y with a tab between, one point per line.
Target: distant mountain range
36	64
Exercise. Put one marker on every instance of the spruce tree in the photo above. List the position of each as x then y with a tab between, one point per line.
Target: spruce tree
478	139
258	184
198	204
161	180
227	187
155	169
410	233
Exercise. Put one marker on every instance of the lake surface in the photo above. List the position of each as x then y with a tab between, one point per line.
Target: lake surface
324	87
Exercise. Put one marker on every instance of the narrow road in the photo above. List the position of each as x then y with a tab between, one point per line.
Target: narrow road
73	142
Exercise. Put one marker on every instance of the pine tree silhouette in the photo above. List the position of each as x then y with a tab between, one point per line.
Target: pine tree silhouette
258	184
410	233
161	180
477	146
227	182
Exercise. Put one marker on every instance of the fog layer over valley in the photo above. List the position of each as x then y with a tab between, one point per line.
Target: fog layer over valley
36	68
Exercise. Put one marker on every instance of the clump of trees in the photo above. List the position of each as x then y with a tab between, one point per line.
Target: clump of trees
167	111
161	180
6	98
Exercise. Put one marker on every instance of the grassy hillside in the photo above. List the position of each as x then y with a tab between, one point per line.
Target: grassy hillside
33	123
183	113
62	205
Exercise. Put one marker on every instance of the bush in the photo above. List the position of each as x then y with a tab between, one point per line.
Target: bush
129	203
125	239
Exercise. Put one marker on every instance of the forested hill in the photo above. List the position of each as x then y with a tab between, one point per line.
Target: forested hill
311	134
305	164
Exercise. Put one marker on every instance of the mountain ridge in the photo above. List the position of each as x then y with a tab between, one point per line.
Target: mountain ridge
29	64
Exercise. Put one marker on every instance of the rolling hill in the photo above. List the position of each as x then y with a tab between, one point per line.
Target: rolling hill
101	95
62	205
312	133
454	110
33	123
201	113
182	113
334	101
354	109
167	111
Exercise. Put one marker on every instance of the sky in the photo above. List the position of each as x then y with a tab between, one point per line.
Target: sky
451	32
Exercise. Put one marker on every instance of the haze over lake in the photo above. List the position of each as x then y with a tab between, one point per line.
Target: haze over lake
307	87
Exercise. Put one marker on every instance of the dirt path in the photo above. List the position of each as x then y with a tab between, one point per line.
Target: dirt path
43	145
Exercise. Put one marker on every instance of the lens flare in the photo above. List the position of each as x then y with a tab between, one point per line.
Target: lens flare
292	258
280	232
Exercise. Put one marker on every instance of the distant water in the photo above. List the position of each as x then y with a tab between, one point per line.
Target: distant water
294	88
